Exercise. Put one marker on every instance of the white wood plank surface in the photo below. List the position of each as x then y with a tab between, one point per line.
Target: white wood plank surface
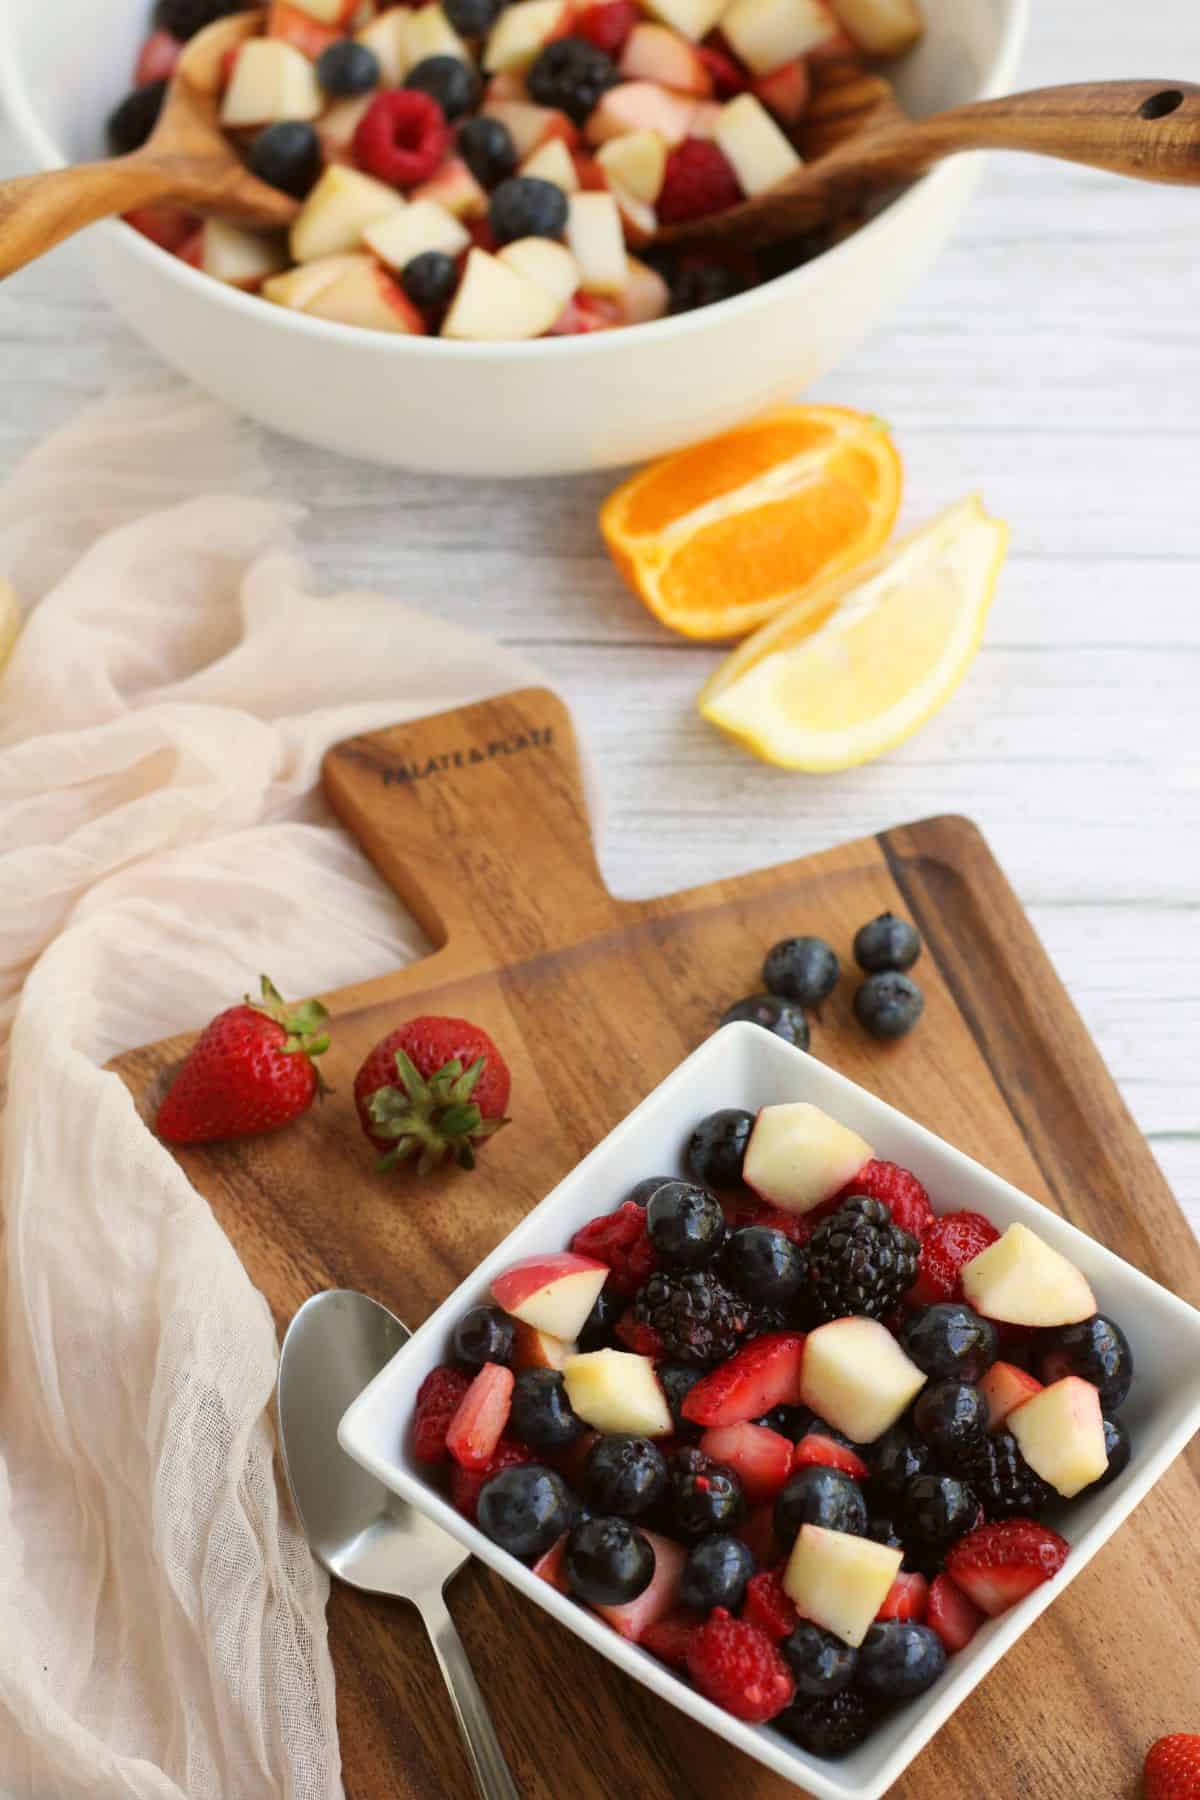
1052	360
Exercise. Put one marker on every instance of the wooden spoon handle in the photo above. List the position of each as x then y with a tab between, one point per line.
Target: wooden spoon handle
39	211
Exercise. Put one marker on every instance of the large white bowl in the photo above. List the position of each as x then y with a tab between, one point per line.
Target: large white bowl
745	1066
499	409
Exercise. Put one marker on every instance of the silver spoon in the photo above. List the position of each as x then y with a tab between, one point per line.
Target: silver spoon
358	1529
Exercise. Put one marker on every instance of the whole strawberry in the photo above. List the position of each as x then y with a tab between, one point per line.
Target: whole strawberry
1172	1769
433	1088
252	1070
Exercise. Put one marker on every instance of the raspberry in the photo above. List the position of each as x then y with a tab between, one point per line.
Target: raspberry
608	25
466	1484
668	1638
699	180
438	1399
767	1606
621	1240
728	79
950	1243
797	1226
739	1667
402	137
900	1191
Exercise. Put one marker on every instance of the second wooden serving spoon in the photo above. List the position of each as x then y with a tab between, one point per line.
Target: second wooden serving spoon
188	161
1146	129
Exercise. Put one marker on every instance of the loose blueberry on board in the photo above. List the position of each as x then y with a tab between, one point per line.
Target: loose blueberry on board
686	1224
525	1509
899	1660
888	1005
804	969
1097	1351
287	156
704	1496
830	1727
430	280
486	147
952	1417
454	84
596	1332
716	1573
782	1017
717	1147
471	18
820	1496
348	68
542	1415
897	1458
484	1335
677	1381
608	1562
624	1475
643	1191
859	1262
950	1342
130	123
1119	1448
525	206
571	74
820	1662
765	1265
887	942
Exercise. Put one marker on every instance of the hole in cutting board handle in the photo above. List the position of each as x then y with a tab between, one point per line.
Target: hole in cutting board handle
1161	105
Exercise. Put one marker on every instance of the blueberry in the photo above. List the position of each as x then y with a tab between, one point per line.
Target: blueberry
677	1381
820	1662
831	1727
625	1475
686	1224
484	1335
888	1005
882	1530
886	943
899	1659
717	1147
763	1264
937	1508
952	1417
348	68
542	1415
430	280
789	1421
608	1562
704	1495
716	1573
804	969
571	74
525	1509
486	147
130	124
1119	1449
704	284
783	1017
1097	1351
949	1341
819	1496
525	206
471	18
897	1458
643	1191
454	84
287	156
596	1332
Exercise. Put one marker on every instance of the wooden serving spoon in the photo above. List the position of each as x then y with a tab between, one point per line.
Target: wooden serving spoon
188	161
1147	129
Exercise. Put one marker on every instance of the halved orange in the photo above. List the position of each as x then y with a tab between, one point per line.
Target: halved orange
719	538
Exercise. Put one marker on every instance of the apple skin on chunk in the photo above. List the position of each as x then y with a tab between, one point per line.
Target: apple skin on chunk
634	1618
554	1291
856	1376
798	1157
614	1390
1061	1435
271	80
1021	1280
839	1581
1005	1387
534	1349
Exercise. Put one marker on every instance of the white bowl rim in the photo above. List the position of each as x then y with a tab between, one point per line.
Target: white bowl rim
600	343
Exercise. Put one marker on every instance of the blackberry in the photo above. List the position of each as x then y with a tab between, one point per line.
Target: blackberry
704	1496
937	1509
771	1011
696	1316
1005	1484
830	1727
859	1262
768	1318
571	74
184	18
677	1381
130	124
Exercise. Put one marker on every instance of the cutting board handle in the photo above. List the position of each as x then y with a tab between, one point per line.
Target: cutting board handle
477	818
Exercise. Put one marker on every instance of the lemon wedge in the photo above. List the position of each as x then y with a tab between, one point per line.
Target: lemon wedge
10	619
865	658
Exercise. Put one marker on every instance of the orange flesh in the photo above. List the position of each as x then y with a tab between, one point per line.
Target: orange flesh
697	477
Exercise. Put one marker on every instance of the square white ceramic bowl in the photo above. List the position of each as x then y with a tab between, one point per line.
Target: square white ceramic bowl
745	1066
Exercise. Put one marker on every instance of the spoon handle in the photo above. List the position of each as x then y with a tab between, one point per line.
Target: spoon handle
491	1772
39	211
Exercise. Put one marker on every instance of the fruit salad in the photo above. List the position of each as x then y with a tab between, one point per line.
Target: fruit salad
781	1423
489	171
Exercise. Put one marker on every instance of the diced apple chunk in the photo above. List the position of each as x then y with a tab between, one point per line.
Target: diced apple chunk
761	156
839	1581
1061	1435
556	1290
656	53
798	1157
645	295
495	304
428	32
856	1376
271	81
596	241
534	1349
422	226
455	188
551	265
521	32
636	162
690	18
243	259
640	106
337	127
786	91
768	33
1021	1280
881	27
552	161
531	126
337	212
634	1618
297	288
387	37
364	294
327	12
614	1390
1005	1387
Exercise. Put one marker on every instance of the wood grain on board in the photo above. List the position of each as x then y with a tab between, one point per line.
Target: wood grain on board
477	820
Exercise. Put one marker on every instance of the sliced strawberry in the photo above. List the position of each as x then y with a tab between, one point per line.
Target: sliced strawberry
948	1612
764	1374
167	226
639	1337
668	1638
478	1425
635	1617
949	1244
815	1447
552	1566
761	1458
1005	1387
465	1484
757	1532
997	1565
905	1197
767	1606
438	1399
907	1598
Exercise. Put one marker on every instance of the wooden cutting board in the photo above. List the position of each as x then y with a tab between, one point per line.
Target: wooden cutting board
477	819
